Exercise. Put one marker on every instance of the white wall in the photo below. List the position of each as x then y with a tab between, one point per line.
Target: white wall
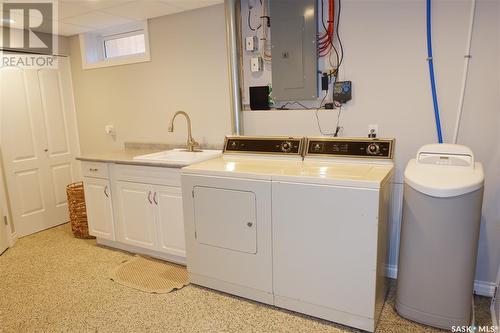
385	48
187	71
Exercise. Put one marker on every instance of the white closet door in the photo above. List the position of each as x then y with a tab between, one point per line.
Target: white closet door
39	144
60	133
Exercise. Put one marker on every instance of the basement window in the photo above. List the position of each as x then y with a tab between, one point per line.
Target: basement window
115	46
122	45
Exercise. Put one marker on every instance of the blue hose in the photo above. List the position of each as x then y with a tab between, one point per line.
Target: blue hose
431	72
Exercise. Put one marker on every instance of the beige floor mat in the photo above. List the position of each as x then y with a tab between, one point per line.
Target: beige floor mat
150	275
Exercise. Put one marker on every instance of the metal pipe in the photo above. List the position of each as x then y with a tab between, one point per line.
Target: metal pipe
233	63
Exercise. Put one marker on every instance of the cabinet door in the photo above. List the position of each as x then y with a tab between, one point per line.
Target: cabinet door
99	208
170	222
136	214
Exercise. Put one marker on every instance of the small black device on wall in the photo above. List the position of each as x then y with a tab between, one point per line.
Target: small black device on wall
342	91
259	98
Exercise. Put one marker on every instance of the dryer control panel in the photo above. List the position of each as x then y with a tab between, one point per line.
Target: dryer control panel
264	145
350	147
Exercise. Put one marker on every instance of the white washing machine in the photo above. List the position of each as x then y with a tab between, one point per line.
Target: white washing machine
309	236
330	238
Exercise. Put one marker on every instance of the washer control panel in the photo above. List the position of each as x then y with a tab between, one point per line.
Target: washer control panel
350	147
264	145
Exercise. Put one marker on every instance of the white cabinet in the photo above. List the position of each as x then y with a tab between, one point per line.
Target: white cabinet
136	214
146	205
170	220
99	207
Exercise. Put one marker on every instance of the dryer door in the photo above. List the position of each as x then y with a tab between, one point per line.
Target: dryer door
228	234
225	218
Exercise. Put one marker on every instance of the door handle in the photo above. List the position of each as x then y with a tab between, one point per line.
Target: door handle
106	191
154	199
149	198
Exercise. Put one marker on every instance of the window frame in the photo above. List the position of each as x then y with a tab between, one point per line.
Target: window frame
92	46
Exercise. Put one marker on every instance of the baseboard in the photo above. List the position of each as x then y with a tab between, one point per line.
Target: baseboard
13	238
482	288
138	250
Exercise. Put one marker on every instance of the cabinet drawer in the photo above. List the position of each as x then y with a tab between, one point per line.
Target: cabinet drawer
95	169
147	174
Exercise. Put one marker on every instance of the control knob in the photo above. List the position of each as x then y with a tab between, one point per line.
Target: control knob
373	149
286	147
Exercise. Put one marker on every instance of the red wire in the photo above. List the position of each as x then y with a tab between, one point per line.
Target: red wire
326	39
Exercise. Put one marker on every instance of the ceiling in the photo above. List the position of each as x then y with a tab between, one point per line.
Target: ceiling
78	16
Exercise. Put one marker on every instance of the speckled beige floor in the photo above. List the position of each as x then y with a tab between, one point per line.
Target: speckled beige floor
52	282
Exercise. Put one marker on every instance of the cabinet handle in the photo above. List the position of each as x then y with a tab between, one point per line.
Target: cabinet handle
149	197
154	199
106	191
249	224
93	169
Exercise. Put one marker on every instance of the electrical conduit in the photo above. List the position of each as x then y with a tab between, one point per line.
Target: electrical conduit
431	72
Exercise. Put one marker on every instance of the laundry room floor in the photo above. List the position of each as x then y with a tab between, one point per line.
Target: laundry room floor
52	282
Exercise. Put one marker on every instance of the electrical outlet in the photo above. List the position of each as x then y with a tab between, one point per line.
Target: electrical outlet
110	130
256	64
251	43
372	131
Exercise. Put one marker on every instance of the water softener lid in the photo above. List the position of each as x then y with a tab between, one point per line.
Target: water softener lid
444	170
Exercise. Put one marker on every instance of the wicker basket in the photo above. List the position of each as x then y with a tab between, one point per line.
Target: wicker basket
77	210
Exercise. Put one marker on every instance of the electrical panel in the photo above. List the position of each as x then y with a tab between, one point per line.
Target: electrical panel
295	55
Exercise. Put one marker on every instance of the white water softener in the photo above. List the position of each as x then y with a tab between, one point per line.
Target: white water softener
443	195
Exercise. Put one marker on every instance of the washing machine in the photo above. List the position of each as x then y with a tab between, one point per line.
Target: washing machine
306	234
330	238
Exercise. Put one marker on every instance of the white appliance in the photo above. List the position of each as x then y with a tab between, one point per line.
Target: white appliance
227	214
442	203
309	236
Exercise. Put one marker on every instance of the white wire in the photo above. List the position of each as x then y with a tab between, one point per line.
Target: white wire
473	319
466	73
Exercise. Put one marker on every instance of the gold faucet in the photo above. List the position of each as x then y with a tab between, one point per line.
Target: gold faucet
192	145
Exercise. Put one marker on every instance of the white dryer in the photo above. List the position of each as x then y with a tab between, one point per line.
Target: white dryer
227	214
309	236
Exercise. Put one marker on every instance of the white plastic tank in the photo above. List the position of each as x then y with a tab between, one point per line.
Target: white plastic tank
442	202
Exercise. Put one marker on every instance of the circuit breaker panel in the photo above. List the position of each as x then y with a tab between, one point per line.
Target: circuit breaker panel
295	56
